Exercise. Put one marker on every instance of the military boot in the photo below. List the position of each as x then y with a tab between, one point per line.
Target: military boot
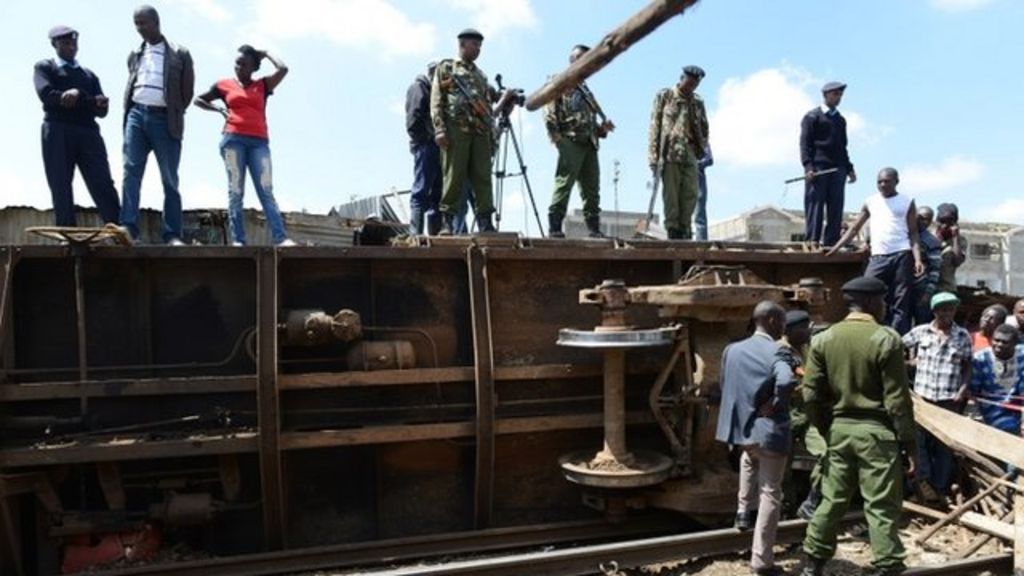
555	226
447	224
813	566
433	219
416	220
675	234
484	223
594	227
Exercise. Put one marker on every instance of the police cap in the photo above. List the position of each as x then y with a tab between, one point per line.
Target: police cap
830	86
61	31
471	33
796	318
865	285
695	71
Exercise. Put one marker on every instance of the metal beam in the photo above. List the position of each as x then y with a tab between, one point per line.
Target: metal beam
268	402
483	484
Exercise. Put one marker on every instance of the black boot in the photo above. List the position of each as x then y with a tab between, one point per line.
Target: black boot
433	219
555	226
416	221
594	227
813	566
675	234
483	222
447	225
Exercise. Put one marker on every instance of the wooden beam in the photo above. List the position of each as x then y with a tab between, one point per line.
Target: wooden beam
127	387
464	374
958	431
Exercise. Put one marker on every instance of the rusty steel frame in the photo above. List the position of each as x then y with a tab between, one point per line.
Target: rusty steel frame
270	443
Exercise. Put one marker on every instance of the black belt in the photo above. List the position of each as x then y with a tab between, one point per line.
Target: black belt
148	108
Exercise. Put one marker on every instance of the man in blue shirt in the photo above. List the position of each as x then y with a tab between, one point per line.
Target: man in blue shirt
754	417
997	380
823	147
72	100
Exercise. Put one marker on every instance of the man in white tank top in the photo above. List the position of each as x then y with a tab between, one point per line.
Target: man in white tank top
895	252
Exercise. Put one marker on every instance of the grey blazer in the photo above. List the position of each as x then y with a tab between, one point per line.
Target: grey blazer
179	85
754	375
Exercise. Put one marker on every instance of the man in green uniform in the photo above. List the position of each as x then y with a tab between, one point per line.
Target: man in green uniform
677	138
571	121
855	392
460	109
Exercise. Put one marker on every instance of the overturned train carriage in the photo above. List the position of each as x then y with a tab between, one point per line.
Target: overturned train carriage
237	400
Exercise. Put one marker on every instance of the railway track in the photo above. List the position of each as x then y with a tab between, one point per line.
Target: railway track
512	552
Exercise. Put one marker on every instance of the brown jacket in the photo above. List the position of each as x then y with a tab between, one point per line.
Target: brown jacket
179	85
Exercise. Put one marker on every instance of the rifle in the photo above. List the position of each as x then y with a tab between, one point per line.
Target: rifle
480	107
643	227
606	126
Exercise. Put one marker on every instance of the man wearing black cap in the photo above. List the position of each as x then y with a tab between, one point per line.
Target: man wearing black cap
72	100
855	393
460	109
677	139
426	185
823	147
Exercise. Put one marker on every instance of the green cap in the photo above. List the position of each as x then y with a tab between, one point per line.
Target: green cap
944	298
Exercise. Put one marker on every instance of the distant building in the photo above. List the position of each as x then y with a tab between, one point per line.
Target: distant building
995	255
617	224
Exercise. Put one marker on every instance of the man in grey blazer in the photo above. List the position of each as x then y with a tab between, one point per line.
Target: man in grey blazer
754	417
160	86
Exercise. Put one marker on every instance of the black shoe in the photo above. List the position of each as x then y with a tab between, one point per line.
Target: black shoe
808	506
594	227
483	221
675	234
447	224
745	521
813	567
770	571
555	226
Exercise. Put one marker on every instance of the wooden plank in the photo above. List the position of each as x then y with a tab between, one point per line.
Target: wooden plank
1018	530
128	449
958	431
972	520
127	387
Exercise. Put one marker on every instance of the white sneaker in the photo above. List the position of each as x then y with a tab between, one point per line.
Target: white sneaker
237	244
286	243
175	242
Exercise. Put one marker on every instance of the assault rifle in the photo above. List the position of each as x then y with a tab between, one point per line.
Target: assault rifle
606	126
479	104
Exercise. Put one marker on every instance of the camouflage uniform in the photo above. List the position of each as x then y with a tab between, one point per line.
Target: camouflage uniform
470	131
571	117
680	123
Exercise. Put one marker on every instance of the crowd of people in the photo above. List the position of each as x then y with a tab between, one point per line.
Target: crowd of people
160	86
854	413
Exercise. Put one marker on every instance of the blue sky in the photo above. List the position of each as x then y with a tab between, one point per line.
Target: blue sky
934	90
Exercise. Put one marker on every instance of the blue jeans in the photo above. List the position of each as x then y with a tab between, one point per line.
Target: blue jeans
246	152
823	207
935	461
897	271
427	178
700	213
145	130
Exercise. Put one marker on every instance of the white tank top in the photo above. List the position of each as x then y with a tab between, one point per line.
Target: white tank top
889	232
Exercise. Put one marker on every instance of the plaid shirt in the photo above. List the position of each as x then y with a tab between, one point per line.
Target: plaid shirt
940	360
985	384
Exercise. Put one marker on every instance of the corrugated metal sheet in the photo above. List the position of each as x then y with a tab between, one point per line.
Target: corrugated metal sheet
207	227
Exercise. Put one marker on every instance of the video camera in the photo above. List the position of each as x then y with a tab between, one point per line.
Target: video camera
510	97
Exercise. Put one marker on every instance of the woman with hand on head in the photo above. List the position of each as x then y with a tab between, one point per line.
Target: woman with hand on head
245	145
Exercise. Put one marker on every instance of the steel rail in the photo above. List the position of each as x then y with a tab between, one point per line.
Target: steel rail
396	551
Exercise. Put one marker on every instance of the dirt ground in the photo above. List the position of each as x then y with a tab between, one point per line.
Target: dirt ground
853	557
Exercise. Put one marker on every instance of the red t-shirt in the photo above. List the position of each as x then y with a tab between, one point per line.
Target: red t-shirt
247	107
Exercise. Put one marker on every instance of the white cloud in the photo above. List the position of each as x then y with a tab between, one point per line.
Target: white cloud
374	25
209	9
757	122
953	172
959	5
22	191
1010	211
493	17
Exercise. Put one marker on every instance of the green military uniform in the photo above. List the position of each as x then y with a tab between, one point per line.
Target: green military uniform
676	140
468	122
855	392
799	423
572	120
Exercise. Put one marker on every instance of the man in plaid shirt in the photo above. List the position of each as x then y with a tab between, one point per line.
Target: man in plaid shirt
997	380
941	351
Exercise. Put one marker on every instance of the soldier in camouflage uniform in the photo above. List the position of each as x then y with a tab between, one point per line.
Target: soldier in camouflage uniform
571	121
460	109
676	140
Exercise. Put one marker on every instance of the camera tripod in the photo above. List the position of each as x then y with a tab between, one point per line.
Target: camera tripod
507	133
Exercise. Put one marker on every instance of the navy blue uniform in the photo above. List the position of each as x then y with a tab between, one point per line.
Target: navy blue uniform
823	146
71	137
